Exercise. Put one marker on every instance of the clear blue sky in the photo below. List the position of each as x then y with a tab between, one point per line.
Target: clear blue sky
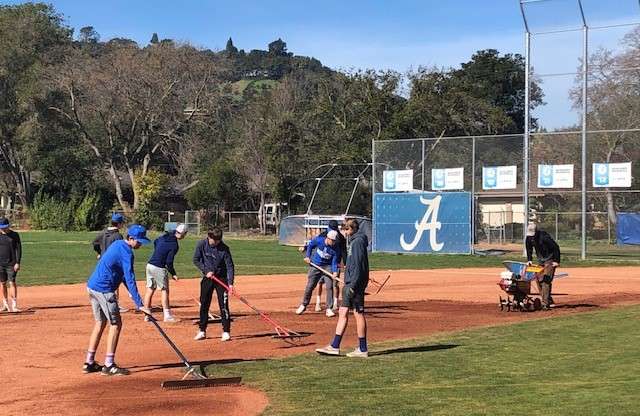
379	34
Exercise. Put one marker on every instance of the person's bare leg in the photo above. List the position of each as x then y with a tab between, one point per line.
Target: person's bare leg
166	307
361	324
112	338
343	320
96	334
5	296
14	290
148	296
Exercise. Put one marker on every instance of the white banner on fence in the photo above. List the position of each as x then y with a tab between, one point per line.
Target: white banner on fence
555	176
499	177
611	175
397	180
447	179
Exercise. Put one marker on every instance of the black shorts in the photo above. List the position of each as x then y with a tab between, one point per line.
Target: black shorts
353	299
7	274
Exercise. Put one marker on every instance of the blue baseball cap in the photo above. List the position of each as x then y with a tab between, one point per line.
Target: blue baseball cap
138	233
116	217
4	223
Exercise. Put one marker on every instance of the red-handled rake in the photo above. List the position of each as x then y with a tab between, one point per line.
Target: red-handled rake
199	378
282	332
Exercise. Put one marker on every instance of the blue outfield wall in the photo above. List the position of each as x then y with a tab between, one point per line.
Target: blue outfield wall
425	222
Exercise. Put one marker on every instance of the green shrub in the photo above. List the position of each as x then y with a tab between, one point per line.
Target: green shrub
48	213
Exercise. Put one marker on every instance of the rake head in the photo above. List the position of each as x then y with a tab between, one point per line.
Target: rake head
201	383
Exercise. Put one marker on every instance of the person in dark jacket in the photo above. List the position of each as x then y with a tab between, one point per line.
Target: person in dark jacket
341	245
106	237
10	257
160	267
548	254
356	279
213	258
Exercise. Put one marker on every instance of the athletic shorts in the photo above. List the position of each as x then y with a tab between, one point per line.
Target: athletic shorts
157	277
353	299
105	306
7	274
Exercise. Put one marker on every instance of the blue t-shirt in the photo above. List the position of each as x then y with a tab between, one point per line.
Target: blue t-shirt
114	267
322	254
165	249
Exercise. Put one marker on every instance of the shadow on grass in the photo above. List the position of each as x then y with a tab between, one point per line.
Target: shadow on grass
203	364
420	348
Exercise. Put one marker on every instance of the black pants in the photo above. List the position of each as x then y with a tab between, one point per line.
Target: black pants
207	286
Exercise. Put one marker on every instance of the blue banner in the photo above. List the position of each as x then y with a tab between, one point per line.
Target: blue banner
628	228
427	222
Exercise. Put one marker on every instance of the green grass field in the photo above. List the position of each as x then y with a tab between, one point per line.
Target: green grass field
585	364
55	258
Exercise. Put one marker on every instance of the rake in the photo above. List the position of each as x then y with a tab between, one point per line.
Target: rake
282	332
376	283
199	379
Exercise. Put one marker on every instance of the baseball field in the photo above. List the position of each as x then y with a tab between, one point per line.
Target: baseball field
439	343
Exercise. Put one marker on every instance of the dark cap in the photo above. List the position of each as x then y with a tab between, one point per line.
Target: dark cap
4	223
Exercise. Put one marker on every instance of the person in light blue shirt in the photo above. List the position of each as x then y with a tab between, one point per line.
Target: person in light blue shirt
114	267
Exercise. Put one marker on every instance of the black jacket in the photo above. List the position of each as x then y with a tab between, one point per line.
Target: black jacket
357	266
105	238
10	248
546	248
216	259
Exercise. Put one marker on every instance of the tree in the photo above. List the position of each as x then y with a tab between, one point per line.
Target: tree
278	48
230	49
154	39
613	104
89	35
32	37
134	106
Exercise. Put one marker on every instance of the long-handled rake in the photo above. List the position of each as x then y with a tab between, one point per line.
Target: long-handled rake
282	332
376	283
199	379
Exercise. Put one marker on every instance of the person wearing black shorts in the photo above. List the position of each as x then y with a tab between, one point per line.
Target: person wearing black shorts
356	279
10	257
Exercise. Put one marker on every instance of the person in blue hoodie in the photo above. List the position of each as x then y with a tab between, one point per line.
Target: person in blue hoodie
160	267
356	279
114	267
323	252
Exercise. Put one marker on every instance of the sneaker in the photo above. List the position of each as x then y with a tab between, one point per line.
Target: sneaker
357	353
330	313
200	336
172	319
318	307
114	370
328	350
225	336
15	309
91	368
123	310
300	310
4	307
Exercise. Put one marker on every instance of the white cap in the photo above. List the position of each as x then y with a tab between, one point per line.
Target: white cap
332	235
531	229
181	229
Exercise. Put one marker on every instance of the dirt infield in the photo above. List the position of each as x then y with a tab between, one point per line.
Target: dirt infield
42	352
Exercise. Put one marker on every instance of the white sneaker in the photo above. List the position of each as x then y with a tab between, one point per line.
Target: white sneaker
357	353
200	335
328	350
14	307
225	336
330	313
318	307
171	319
123	310
300	310
4	307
